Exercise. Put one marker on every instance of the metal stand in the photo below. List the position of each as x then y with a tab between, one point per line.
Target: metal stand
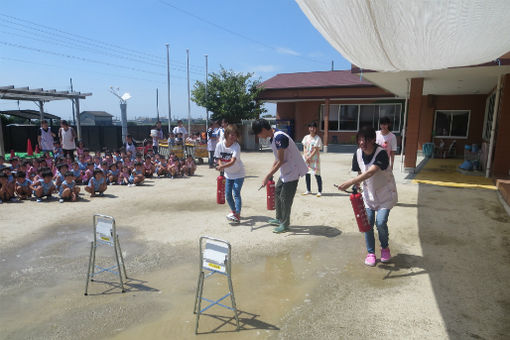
216	258
105	233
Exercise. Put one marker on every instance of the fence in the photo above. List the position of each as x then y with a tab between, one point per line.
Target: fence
93	137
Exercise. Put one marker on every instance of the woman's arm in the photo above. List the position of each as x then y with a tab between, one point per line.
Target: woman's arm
223	165
360	178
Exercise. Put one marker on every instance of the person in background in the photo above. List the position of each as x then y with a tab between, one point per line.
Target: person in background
379	190
289	161
69	190
57	150
23	186
137	177
130	145
386	139
171	139
191	166
2	160
97	184
80	149
67	138
312	145
156	138
180	129
6	189
45	137
212	140
221	130
44	187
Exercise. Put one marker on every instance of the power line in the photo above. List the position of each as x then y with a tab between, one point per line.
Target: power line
245	37
86	41
98	52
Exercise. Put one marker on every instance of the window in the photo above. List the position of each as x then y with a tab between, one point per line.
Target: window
451	124
351	117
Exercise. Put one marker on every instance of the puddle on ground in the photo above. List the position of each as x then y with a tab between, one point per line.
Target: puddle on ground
42	285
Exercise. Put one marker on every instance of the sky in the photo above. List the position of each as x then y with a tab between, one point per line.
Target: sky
118	43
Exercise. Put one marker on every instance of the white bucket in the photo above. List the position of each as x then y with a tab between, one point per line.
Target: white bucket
154	133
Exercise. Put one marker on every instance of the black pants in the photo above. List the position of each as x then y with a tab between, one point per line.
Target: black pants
211	159
309	184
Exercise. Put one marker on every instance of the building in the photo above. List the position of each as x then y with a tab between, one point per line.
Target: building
340	101
461	106
99	118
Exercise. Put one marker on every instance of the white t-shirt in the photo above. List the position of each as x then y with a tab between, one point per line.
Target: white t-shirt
180	129
293	165
225	154
388	142
67	139
221	134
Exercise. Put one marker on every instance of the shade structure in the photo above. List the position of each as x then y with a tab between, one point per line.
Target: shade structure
417	35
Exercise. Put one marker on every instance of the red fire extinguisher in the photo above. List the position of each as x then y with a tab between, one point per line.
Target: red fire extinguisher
359	210
270	194
220	189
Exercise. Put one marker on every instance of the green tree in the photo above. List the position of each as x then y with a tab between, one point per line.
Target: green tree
230	95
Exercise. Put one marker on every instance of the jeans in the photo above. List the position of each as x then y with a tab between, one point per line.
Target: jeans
308	179
382	228
211	159
284	196
233	186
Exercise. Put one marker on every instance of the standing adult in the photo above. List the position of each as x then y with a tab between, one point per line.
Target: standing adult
45	137
180	129
156	137
212	140
379	190
312	145
289	161
67	138
387	139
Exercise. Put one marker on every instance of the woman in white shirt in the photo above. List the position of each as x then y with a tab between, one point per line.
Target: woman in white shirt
228	153
67	137
386	139
312	145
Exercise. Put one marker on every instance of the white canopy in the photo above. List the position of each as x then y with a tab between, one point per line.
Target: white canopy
399	35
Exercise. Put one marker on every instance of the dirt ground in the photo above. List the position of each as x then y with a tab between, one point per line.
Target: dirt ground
448	278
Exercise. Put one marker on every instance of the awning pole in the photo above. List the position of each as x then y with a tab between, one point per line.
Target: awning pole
493	128
404	128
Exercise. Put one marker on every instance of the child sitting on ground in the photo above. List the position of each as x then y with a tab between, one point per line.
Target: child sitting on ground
2	160
136	177
113	174
44	187
59	176
97	184
76	172
6	190
190	166
88	173
57	150
23	184
124	176
162	166
68	190
148	167
173	165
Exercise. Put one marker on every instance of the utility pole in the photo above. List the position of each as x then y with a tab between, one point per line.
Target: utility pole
206	109
189	95
157	105
168	88
72	100
332	65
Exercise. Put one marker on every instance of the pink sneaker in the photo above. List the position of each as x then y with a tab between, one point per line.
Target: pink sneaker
385	255
370	260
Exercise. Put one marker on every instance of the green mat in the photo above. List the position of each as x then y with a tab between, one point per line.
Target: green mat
23	155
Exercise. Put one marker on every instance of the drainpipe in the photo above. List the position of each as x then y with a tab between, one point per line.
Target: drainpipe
493	128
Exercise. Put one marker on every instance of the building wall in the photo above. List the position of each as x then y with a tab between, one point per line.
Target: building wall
473	103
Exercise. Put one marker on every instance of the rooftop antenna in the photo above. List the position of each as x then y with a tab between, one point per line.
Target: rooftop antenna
123	109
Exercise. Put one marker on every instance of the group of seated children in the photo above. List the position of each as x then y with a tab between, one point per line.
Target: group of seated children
43	177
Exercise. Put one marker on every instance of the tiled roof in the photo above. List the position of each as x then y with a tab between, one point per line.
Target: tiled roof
315	79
